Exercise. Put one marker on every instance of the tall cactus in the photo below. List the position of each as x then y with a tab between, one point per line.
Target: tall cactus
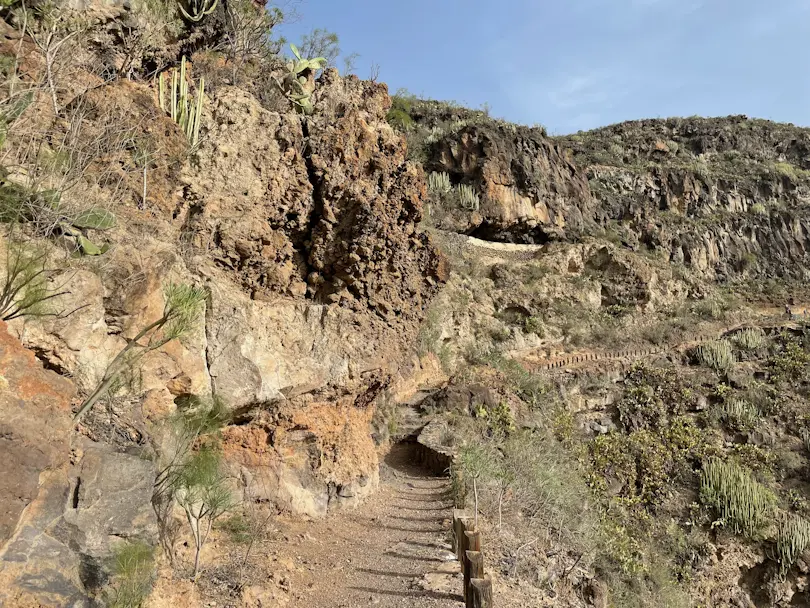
176	103
198	9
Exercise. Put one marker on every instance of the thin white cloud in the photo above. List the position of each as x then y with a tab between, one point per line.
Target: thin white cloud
586	89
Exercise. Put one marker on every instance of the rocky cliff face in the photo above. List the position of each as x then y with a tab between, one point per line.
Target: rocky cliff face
530	191
310	244
724	197
304	232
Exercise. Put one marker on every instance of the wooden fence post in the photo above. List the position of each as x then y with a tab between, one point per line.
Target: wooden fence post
460	519
473	540
474	569
481	593
472	543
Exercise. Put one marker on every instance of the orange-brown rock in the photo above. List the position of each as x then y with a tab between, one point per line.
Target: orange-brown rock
35	424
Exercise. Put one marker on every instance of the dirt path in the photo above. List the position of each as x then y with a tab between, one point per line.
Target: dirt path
379	554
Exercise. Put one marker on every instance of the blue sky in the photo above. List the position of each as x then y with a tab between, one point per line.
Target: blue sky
580	64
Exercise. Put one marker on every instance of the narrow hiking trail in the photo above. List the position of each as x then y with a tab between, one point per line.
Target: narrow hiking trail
392	551
545	359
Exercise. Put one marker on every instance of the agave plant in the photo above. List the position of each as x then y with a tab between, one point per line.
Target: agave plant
198	9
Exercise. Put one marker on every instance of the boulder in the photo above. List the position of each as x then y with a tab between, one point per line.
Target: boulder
59	553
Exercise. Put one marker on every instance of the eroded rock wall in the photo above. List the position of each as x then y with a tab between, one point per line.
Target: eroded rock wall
304	233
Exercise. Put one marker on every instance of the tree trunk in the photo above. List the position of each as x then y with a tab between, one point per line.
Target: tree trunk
500	509
49	59
143	200
196	562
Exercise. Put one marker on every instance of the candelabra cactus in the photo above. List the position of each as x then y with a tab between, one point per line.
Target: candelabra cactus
177	102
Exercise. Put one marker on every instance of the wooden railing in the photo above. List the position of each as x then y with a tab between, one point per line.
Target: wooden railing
467	545
571	359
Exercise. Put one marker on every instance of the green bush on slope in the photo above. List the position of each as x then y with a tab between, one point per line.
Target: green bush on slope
741	503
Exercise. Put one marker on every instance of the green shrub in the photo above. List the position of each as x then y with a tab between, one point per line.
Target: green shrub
717	355
639	408
754	458
750	338
651	396
741	503
548	489
500	419
792	538
790	171
133	565
534	325
476	462
759	209
197	416
196	421
238	528
202	491
529	386
620	546
399	116
711	308
534	272
645	462
740	414
790	363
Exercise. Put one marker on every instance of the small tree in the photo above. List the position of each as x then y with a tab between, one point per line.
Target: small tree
350	63
204	496
196	417
504	478
248	34
24	290
181	311
320	43
476	462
